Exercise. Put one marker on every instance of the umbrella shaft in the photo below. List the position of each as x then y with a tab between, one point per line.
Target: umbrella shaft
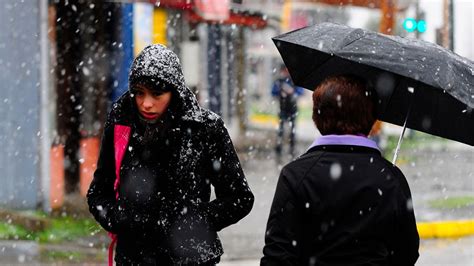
403	133
400	141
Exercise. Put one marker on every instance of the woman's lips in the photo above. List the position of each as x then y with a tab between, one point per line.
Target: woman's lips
149	115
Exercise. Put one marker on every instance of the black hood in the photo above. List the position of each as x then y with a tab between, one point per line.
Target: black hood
158	64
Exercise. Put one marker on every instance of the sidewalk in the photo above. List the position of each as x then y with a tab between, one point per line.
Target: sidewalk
240	263
433	252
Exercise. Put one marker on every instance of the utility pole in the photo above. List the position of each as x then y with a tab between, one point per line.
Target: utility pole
241	102
388	8
448	24
45	138
417	16
214	68
451	24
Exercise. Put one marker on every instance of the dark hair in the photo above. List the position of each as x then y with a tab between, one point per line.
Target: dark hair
151	83
344	104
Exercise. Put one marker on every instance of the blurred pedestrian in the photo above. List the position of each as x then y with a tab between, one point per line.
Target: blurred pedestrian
342	203
287	93
160	154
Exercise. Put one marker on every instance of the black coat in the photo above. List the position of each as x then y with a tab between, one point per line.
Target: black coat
164	214
341	205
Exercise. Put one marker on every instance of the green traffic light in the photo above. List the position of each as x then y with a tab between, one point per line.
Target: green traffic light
409	24
421	26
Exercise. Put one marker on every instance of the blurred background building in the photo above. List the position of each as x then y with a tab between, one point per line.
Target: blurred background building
63	62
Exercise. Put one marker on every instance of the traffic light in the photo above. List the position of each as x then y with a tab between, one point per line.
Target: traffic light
411	25
421	26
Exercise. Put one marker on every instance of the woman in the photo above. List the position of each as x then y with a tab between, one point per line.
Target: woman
342	203
160	154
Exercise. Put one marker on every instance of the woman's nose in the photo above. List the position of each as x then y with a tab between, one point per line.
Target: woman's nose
147	101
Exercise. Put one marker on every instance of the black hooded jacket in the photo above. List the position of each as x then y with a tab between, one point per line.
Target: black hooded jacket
341	205
163	214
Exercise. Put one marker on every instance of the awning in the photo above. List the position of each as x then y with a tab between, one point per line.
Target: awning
375	4
197	12
246	19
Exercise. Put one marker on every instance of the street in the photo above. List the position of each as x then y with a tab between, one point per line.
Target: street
434	252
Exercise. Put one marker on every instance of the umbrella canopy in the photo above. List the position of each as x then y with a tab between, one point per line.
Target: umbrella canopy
417	82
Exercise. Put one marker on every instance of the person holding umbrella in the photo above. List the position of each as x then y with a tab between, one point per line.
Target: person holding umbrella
420	85
342	203
159	156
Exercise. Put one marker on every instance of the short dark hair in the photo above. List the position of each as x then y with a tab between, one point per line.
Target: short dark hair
344	104
151	83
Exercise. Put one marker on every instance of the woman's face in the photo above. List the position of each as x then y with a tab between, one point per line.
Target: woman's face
151	104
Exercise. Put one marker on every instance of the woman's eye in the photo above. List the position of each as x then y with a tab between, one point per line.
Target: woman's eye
157	94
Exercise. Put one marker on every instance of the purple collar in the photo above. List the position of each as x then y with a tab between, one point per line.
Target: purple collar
344	140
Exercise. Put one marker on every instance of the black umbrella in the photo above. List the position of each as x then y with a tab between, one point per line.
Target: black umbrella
420	85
